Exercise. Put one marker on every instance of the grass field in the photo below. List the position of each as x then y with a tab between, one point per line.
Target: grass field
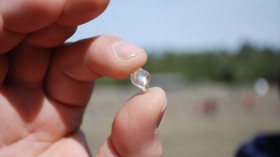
185	131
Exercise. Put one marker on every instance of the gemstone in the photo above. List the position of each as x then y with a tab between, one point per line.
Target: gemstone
141	79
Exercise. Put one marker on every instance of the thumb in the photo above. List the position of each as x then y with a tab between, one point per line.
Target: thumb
134	130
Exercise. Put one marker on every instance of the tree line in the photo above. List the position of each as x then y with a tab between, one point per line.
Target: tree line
243	66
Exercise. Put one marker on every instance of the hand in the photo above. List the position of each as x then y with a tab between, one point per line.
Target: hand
45	84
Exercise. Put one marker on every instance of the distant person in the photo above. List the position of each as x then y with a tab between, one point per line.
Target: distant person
46	84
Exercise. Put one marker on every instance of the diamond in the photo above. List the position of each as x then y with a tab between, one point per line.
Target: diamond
141	79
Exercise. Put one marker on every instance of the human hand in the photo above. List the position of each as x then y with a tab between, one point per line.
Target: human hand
45	84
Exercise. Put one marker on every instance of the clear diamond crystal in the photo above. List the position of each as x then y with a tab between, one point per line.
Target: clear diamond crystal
141	79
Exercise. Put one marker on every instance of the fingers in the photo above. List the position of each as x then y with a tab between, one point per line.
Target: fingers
77	12
47	23
9	40
74	13
28	66
134	131
51	36
75	66
25	16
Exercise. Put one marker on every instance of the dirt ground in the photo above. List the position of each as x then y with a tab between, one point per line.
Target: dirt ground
200	120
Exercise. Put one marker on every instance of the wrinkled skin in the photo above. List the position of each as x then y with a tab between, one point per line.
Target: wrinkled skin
45	84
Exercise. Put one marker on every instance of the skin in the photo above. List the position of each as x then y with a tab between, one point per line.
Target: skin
45	84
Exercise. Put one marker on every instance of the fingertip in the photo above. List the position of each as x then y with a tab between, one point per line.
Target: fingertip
135	126
145	109
127	57
157	95
158	92
113	57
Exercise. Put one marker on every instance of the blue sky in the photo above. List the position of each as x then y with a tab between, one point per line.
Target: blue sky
189	24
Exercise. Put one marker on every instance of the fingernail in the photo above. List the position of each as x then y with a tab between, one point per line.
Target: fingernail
161	115
124	50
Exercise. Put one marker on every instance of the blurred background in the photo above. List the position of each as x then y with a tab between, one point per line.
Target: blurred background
217	60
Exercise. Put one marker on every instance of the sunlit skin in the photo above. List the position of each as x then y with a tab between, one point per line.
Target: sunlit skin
45	84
